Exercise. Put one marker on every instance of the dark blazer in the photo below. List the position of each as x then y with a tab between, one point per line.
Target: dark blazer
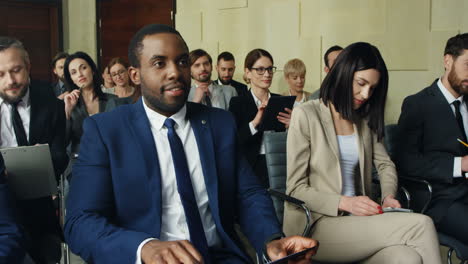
115	195
244	110
47	123
78	115
11	236
240	88
427	145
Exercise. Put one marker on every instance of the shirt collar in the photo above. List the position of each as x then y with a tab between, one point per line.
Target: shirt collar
256	100
23	101
448	96
157	120
210	87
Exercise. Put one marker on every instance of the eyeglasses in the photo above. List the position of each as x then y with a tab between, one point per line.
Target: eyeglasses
121	72
262	70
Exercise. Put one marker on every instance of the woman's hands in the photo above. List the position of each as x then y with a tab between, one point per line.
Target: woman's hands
285	117
258	117
390	201
70	102
359	206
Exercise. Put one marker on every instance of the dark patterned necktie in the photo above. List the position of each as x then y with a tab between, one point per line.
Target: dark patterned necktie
18	125
459	118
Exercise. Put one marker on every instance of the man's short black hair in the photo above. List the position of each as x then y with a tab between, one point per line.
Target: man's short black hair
226	56
456	45
58	56
136	43
330	50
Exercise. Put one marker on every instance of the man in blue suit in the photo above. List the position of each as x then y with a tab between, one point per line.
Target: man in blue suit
11	238
157	174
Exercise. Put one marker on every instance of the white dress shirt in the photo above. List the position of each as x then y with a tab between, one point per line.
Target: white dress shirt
254	130
464	113
7	133
173	221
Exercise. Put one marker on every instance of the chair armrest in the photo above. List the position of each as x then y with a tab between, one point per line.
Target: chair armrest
412	184
298	203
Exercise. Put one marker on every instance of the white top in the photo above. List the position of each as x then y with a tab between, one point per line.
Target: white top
297	103
253	130
173	221
464	113
349	159
7	133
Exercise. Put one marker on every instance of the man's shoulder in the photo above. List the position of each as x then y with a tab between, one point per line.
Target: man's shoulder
41	93
423	95
238	84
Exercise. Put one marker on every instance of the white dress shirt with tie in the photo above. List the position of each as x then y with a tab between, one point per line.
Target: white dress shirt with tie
8	137
173	221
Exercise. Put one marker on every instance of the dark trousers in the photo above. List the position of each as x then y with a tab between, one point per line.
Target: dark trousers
454	222
261	171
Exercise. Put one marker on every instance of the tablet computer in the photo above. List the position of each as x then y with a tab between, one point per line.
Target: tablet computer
275	105
30	172
292	257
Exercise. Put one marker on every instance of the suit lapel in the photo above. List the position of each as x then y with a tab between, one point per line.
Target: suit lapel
329	127
38	114
360	134
141	129
201	126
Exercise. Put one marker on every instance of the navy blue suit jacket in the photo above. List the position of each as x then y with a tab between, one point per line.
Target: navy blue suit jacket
11	237
115	196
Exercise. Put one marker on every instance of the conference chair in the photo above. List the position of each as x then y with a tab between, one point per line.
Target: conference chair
420	197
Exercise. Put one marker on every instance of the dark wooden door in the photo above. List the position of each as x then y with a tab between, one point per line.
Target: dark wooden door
36	24
118	20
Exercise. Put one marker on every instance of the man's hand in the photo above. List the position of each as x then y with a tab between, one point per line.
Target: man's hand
281	248
359	205
285	117
180	251
390	201
200	92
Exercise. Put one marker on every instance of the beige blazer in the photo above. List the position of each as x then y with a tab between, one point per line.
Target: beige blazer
313	164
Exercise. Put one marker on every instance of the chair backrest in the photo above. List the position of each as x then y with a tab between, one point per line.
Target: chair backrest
391	132
275	154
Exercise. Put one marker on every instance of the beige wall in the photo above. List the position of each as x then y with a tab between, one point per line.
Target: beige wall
411	34
79	26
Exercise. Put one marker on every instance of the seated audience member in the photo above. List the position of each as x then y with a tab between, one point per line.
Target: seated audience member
294	73
248	110
108	84
431	123
204	90
30	115
226	66
85	99
12	241
173	192
332	144
329	59
60	90
118	70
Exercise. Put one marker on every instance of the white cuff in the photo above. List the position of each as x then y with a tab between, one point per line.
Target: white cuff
138	254
253	130
457	172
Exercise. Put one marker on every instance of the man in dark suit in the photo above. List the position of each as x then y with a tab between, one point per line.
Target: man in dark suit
179	178
12	242
30	115
60	89
431	123
226	66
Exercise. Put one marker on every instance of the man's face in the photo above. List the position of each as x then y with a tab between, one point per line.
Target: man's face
331	57
225	70
457	75
14	75
58	69
164	73
201	69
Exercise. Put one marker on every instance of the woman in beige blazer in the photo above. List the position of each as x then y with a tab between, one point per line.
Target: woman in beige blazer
332	144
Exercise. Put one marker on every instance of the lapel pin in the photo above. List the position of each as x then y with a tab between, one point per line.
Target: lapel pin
203	122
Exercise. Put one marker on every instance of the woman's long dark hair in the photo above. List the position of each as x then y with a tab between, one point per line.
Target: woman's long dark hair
97	79
337	87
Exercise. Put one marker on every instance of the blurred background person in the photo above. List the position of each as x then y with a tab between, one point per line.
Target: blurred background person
248	110
60	90
118	70
108	84
226	66
329	59
294	73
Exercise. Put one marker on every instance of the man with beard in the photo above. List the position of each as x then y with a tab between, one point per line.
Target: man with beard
30	114
226	67
152	175
57	63
204	90
431	123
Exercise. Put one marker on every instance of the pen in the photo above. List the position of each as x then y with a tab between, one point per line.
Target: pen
463	142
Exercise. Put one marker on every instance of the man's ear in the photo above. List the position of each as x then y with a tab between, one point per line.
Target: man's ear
448	61
134	74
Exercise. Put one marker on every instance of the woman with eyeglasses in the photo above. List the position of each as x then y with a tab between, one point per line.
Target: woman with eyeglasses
248	109
118	70
86	97
331	147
